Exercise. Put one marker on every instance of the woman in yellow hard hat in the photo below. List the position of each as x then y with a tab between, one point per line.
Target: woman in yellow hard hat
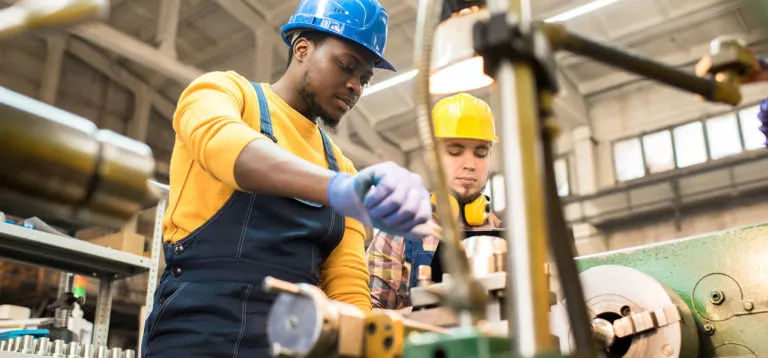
466	132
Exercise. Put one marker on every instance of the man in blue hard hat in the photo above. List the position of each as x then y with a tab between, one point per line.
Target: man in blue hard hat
257	189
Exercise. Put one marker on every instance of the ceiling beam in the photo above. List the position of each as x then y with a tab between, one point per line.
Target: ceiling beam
359	122
666	27
253	17
142	109
54	56
570	106
116	73
262	56
113	40
360	156
167	26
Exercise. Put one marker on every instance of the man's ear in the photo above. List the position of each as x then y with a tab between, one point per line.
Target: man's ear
301	49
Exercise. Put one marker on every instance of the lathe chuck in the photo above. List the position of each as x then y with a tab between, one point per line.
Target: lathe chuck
648	320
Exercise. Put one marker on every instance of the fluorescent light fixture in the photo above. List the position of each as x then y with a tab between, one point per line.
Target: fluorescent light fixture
390	82
407	76
581	10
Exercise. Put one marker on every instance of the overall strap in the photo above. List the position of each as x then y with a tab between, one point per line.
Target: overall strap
266	119
329	155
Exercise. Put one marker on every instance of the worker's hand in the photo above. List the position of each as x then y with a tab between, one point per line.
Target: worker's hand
385	196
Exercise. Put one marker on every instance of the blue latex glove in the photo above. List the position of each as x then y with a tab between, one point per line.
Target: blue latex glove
763	116
397	204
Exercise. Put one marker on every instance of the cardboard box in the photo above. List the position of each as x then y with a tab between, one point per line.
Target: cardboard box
124	241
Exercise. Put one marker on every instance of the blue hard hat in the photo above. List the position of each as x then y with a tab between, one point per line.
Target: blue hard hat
361	21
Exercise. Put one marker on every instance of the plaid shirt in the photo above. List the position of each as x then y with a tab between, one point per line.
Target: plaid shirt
390	273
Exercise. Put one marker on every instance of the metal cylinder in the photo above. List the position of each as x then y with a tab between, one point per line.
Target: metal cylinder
27	344
602	331
64	167
102	352
89	351
129	353
16	344
115	352
61	316
59	348
73	350
3	345
43	346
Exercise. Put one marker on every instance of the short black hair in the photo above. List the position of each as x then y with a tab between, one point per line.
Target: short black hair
315	37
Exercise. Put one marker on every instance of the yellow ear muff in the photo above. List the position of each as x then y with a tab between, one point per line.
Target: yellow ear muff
476	212
454	204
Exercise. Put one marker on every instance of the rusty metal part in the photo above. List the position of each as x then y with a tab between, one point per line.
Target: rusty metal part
60	165
647	319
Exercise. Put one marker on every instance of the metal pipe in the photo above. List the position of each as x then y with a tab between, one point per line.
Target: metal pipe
468	295
61	316
527	286
562	246
710	89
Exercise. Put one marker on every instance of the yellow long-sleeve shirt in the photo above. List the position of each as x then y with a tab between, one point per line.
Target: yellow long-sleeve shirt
216	117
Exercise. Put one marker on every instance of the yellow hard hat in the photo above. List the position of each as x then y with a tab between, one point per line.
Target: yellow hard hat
464	116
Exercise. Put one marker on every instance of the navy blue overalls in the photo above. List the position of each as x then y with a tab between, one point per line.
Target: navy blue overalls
210	302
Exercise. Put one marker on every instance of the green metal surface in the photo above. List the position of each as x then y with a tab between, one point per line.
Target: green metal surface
722	277
460	343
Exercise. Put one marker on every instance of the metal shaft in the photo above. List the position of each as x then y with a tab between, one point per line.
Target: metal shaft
708	88
526	212
61	317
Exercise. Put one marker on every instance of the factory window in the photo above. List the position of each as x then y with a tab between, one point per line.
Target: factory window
723	136
561	177
750	128
659	155
628	159
690	148
688	144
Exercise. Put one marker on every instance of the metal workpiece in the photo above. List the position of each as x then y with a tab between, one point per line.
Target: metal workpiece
486	254
59	348
115	352
88	351
303	322
73	350
43	347
27	345
102	351
645	318
65	167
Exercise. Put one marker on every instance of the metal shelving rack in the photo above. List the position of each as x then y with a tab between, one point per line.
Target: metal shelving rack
84	258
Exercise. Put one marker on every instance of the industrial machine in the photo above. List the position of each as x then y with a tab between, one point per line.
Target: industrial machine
622	304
